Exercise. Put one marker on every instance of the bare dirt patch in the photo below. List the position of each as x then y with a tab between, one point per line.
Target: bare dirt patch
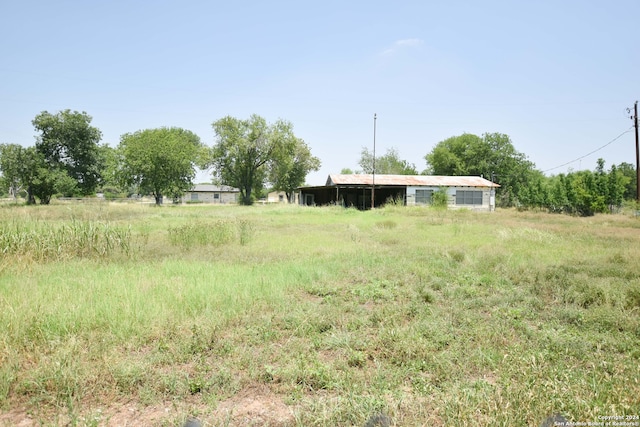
254	406
120	415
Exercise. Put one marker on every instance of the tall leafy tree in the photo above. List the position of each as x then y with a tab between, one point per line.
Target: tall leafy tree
244	150
615	188
27	169
68	142
288	168
492	155
39	178
389	163
111	185
455	156
631	179
11	165
160	161
557	198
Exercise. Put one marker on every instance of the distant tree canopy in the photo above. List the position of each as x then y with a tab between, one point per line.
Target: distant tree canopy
290	165
631	177
492	155
12	165
389	163
65	159
249	153
159	161
69	143
581	193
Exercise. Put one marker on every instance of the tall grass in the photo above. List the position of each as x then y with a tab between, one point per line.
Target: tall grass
40	241
411	316
212	233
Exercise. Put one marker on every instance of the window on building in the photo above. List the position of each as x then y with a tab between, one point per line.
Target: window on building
468	197
423	197
216	196
194	197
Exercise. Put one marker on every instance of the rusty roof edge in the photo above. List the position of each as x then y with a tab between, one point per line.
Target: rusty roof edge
418	180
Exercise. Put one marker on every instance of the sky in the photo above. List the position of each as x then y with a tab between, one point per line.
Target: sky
557	76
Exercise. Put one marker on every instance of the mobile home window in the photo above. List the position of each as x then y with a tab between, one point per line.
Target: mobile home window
468	197
423	197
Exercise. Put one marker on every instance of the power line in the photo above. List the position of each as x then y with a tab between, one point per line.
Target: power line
594	151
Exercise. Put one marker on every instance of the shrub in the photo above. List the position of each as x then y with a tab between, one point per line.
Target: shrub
440	199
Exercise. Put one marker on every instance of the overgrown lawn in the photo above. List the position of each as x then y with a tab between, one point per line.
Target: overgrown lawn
425	316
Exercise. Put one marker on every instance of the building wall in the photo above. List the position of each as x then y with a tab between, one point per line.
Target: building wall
280	197
454	202
210	197
360	197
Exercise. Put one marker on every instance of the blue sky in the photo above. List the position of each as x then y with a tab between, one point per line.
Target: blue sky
556	76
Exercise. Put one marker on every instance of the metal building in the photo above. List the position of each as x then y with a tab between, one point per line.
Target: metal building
471	192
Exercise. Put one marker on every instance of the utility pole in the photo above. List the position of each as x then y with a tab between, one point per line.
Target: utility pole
373	180
635	125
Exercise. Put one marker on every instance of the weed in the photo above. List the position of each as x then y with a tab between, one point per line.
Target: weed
245	231
632	297
387	224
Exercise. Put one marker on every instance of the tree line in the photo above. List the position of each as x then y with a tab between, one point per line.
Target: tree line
494	157
68	159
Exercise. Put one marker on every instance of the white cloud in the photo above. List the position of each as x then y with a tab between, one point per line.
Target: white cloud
402	44
408	42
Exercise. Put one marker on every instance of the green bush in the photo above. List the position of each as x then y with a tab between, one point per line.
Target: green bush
440	199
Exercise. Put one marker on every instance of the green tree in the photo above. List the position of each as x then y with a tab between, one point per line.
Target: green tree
557	200
455	156
387	164
289	167
11	165
111	185
39	178
629	172
492	155
615	188
68	142
589	200
244	149
159	161
26	169
535	192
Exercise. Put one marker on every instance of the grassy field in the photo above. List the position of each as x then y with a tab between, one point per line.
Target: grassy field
291	316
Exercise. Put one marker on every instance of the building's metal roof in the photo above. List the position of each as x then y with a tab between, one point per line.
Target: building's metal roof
409	180
211	188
